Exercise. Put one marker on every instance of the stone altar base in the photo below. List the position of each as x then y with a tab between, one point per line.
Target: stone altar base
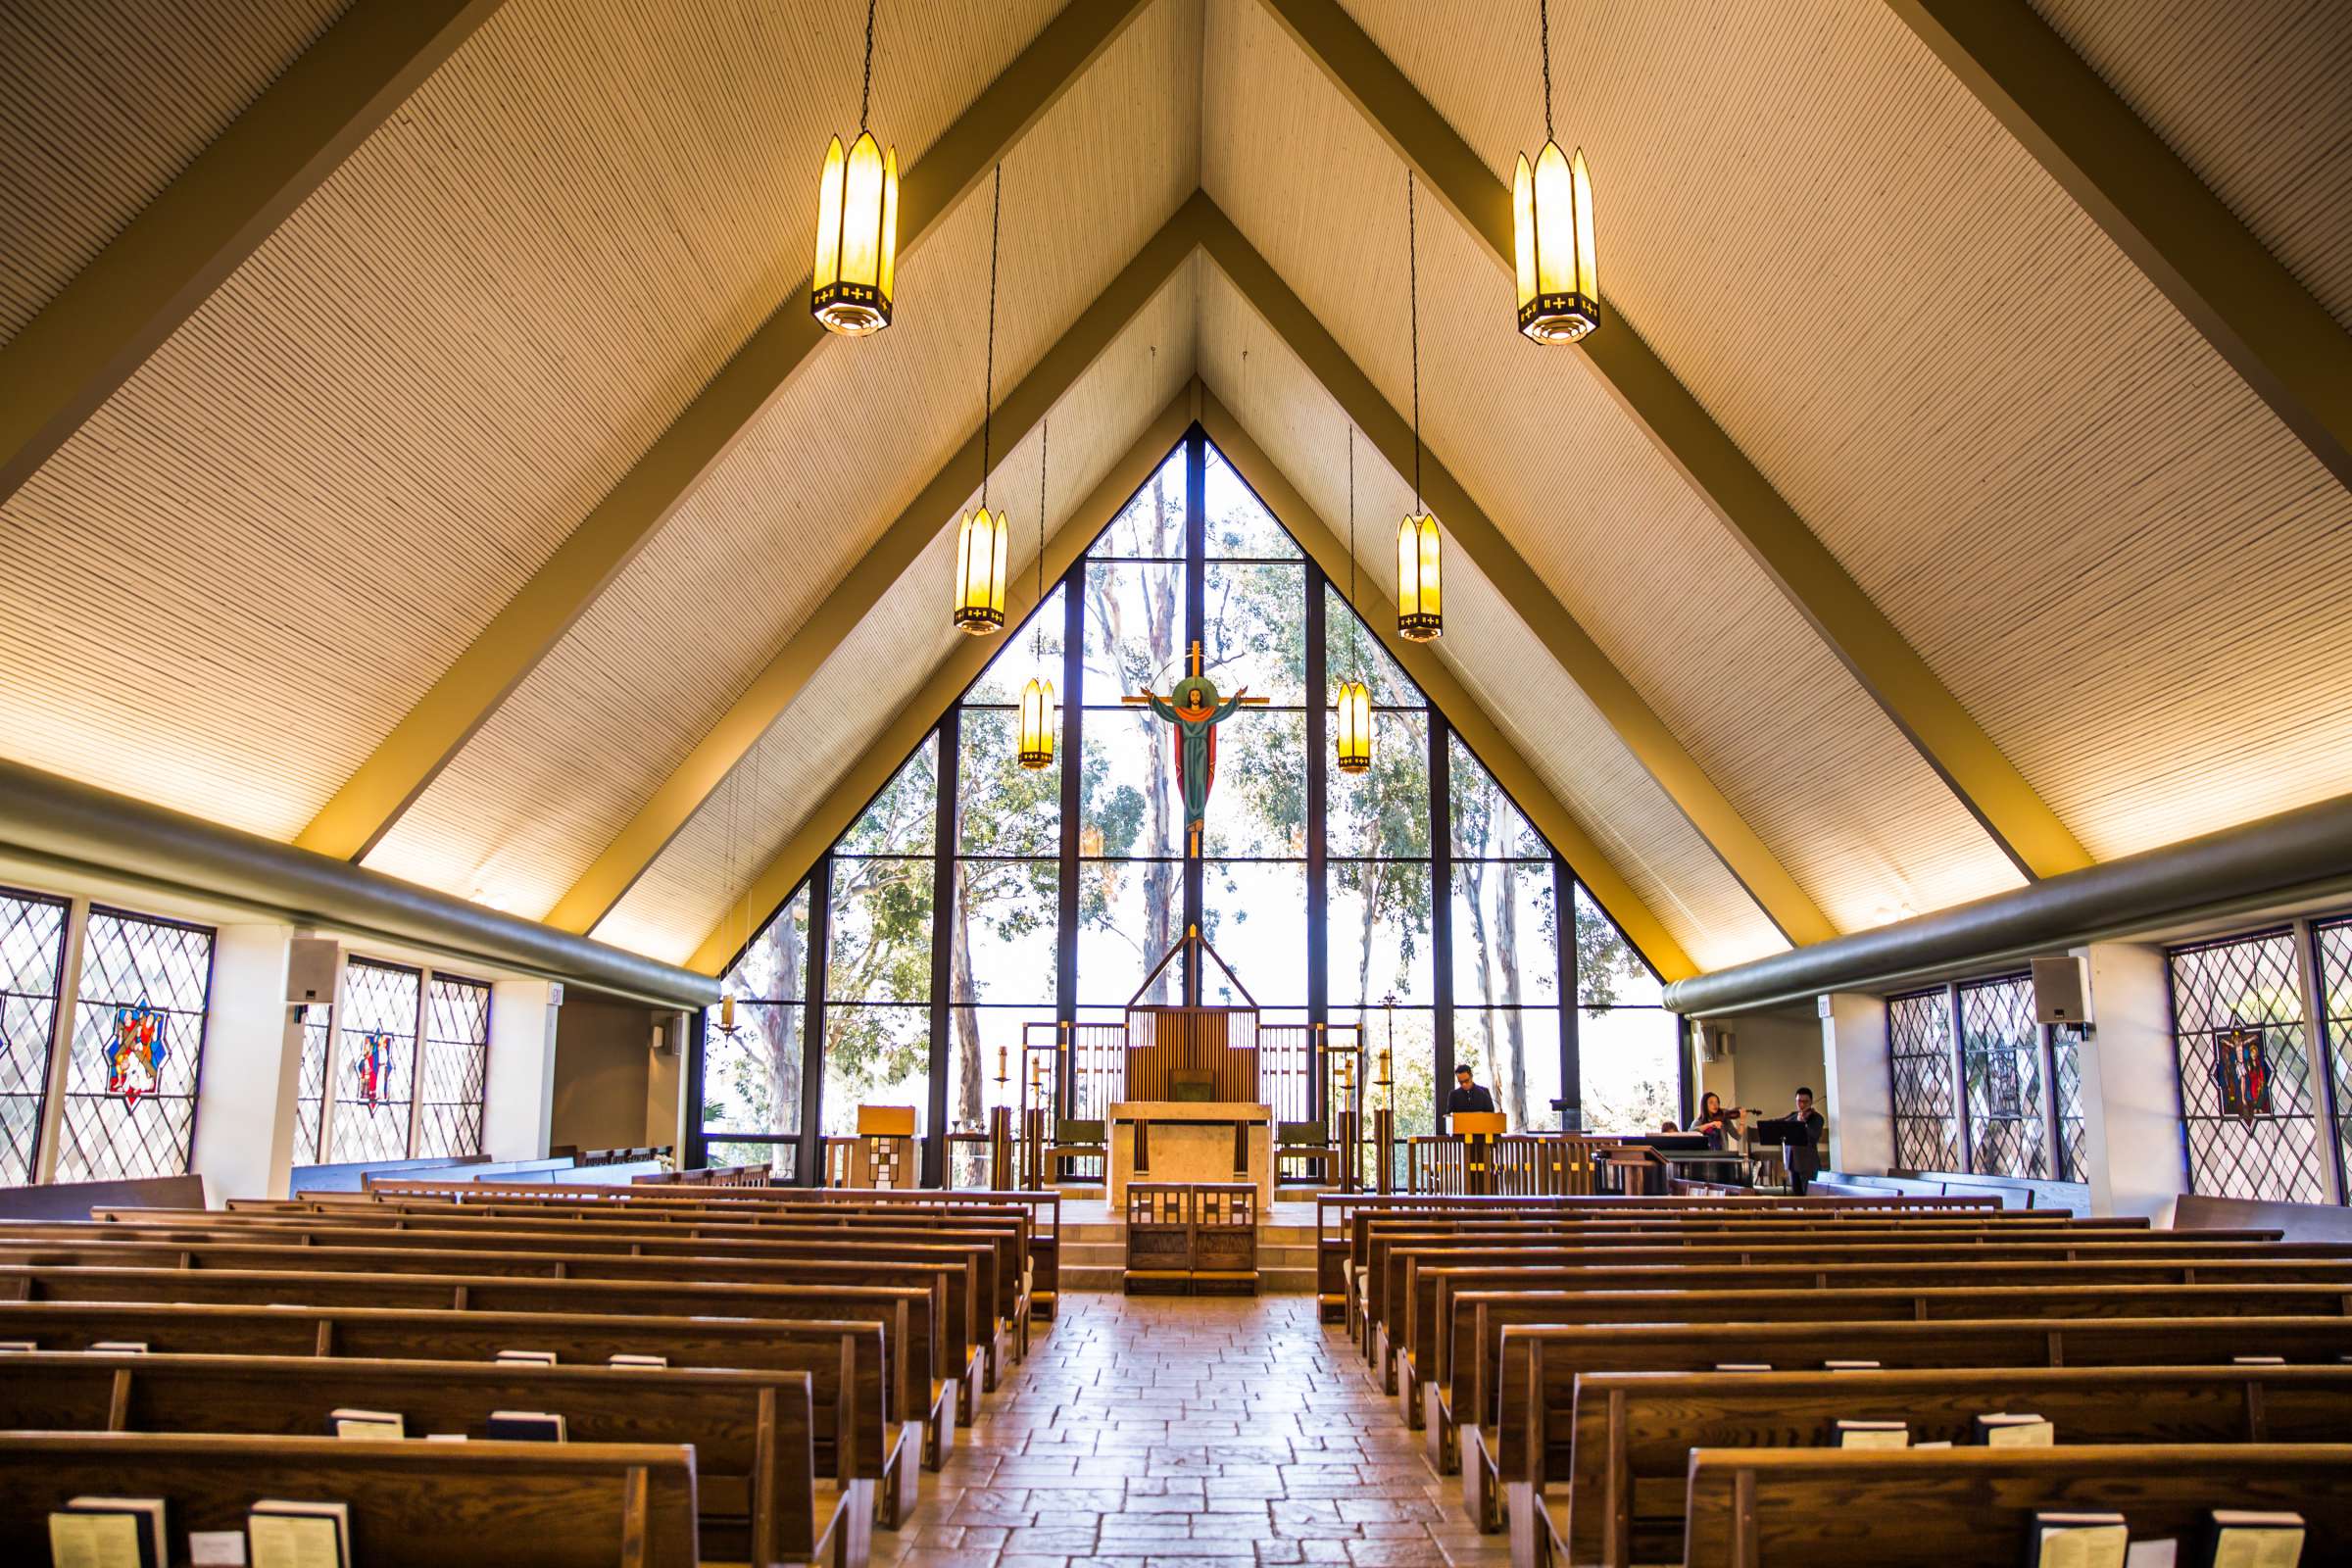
1191	1142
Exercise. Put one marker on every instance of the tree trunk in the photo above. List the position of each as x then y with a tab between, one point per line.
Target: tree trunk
1513	1072
779	1031
964	997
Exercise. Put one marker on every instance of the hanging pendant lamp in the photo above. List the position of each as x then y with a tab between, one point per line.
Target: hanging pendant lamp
986	537
857	225
1551	218
1037	698
1420	612
1353	732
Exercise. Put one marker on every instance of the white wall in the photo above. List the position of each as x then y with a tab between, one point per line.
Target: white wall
1771	1053
518	1093
252	1066
1857	1084
2130	1093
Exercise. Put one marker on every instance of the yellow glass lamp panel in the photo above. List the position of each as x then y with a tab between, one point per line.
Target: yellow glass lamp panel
856	238
980	554
1354	727
1037	723
1558	278
1420	614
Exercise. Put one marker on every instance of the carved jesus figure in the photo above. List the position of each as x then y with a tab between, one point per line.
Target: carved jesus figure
1194	709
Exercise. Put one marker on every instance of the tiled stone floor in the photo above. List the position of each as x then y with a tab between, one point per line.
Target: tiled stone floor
1149	1432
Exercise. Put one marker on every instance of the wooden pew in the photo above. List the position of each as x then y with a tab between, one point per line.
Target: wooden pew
953	1354
696	1257
857	1439
759	1492
413	1504
921	1418
1633	1431
1546	1362
1971	1507
1424	1361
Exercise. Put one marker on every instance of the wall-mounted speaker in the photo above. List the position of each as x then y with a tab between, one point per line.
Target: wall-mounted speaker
313	965
2059	993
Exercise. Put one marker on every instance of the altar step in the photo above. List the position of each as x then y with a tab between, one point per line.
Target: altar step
1094	1255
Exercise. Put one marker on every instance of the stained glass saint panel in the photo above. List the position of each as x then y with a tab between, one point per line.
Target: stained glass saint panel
376	1064
138	1049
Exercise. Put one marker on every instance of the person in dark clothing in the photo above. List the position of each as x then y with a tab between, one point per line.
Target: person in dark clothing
1467	1095
1804	1161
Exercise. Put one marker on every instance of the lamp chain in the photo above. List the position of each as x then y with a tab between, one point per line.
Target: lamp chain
1412	261
1037	612
865	94
1544	23
989	385
1353	658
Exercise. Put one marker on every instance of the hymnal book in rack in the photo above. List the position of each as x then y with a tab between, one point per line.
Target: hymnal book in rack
119	1348
1873	1434
368	1425
642	1363
299	1535
526	1426
108	1533
1849	1366
527	1358
2076	1541
2244	1539
1744	1366
2006	1429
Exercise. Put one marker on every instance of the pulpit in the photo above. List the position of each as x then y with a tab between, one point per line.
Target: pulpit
884	1153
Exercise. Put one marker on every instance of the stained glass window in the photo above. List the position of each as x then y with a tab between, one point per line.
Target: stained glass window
1927	1127
457	1062
376	1063
2000	1054
2066	1071
2331	946
138	1049
310	1097
33	957
2240	1043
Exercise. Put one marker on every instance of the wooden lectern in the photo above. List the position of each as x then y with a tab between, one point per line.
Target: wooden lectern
884	1153
1478	1130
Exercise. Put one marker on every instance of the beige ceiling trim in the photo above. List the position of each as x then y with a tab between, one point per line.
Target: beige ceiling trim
1462	711
606	881
2282	341
1743	854
831	817
101	326
1950	741
535	620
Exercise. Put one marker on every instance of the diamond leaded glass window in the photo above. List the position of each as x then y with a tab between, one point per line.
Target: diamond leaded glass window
1927	1126
33	955
2000	1052
457	1055
2333	949
2066	1069
310	1099
138	1049
2245	1086
376	1062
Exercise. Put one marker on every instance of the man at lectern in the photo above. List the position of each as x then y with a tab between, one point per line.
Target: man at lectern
1468	1095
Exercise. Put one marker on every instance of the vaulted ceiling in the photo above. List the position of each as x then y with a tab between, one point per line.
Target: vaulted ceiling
415	446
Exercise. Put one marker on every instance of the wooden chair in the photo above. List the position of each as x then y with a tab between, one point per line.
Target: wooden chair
1077	1138
1304	1142
1159	1238
1224	1239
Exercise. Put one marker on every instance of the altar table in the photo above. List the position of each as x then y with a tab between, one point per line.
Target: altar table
1191	1141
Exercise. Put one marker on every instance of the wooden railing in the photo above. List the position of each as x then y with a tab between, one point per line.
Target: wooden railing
1514	1165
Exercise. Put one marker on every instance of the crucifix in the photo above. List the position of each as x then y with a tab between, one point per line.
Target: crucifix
1194	709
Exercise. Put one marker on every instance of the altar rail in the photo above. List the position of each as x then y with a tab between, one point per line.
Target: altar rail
1518	1165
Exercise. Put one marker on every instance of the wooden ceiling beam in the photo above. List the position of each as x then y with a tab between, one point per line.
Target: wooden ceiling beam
531	623
1652	743
102	324
1812	578
850	794
2282	341
1463	711
668	809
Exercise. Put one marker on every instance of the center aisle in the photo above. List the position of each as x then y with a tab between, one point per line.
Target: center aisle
1161	1431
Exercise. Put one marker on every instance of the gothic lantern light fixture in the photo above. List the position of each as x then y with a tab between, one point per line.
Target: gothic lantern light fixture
1037	698
857	225
981	547
1551	221
1353	733
1420	612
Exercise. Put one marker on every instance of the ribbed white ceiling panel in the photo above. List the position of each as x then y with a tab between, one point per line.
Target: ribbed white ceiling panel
104	102
1651	845
821	473
2254	95
2106	547
881	665
1619	537
241	573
